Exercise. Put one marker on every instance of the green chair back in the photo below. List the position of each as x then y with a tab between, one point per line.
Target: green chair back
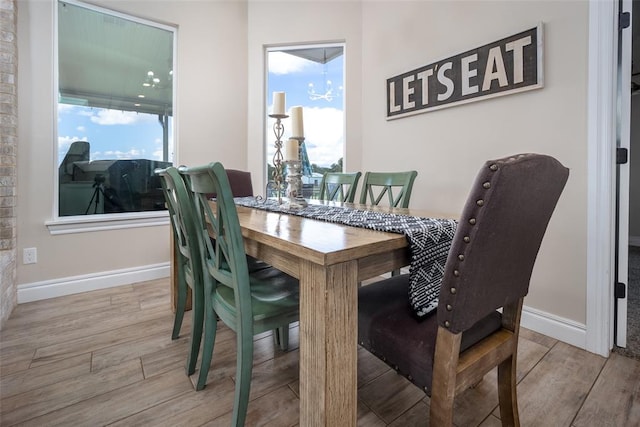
248	303
339	186
396	185
187	256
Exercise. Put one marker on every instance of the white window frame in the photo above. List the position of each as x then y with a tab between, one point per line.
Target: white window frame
269	137
112	221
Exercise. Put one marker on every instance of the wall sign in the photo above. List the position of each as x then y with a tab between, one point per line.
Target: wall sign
513	64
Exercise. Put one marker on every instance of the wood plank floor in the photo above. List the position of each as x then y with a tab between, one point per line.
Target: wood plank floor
106	358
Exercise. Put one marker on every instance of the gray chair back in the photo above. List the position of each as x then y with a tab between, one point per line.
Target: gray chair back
497	240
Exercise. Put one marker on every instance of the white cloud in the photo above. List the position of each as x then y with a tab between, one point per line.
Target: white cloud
157	155
324	135
114	117
133	153
283	63
81	129
64	142
64	108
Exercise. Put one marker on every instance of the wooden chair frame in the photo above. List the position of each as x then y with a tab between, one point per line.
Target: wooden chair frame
454	372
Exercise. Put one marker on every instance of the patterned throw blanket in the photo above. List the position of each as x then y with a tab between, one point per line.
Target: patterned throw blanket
429	241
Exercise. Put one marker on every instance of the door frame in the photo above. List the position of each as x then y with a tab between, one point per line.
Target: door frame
601	181
623	140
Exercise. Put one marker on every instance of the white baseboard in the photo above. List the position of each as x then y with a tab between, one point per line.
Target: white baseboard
35	291
553	326
562	329
634	240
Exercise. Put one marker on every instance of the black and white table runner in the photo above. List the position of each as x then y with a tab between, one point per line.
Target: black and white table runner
429	241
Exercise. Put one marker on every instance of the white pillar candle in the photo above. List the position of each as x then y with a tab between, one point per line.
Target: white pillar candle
278	103
297	125
291	150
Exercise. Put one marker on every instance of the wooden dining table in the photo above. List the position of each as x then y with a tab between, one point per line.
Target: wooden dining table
330	260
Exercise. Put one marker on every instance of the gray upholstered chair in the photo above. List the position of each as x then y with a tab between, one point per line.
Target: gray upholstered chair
488	267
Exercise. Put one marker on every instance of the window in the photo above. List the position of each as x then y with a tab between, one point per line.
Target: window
115	110
311	77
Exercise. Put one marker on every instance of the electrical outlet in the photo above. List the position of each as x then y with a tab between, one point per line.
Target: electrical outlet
29	255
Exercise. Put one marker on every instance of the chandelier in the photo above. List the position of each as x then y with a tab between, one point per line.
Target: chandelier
328	93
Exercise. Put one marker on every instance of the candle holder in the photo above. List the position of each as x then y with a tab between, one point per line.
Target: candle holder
278	130
294	185
302	156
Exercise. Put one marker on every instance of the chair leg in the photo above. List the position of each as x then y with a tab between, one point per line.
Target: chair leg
181	303
283	337
197	314
243	378
210	327
443	386
507	394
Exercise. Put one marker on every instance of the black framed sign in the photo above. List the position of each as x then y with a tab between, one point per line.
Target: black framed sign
510	65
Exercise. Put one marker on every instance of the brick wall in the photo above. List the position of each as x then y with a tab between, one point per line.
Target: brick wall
8	153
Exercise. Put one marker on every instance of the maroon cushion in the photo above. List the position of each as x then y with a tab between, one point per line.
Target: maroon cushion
240	183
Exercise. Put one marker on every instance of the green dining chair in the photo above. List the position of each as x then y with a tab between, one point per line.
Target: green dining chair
339	186
187	259
248	304
396	185
188	263
240	187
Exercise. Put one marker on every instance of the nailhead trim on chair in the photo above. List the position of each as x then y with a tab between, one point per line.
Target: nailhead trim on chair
467	239
472	221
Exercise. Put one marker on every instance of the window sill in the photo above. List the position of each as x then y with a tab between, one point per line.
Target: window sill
86	224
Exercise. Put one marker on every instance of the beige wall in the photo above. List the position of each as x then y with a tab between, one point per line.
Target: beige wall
221	57
211	109
287	23
447	147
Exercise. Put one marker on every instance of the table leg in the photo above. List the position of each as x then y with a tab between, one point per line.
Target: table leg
328	344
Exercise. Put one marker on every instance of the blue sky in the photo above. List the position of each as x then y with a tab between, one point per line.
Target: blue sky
112	134
115	134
